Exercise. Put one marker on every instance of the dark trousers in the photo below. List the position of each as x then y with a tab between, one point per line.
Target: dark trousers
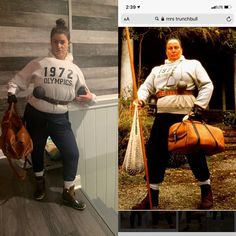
158	155
41	125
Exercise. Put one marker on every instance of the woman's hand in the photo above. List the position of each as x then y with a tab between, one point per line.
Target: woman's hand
84	98
139	103
195	114
11	98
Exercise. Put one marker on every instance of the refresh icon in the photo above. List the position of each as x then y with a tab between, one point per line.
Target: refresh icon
228	18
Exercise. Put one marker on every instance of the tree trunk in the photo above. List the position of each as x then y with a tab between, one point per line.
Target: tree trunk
235	86
140	57
126	84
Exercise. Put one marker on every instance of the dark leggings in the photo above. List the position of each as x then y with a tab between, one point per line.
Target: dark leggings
41	125
158	155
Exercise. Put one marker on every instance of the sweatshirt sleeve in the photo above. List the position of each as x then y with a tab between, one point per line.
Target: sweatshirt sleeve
22	79
81	82
205	86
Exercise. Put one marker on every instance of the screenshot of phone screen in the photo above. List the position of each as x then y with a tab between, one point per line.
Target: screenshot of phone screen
177	64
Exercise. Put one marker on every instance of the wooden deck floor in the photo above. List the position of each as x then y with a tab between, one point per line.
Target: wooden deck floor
21	215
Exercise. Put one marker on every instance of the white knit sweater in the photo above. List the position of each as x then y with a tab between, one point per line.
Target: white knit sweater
167	76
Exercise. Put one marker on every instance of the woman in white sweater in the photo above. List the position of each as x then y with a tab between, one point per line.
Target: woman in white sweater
57	81
182	87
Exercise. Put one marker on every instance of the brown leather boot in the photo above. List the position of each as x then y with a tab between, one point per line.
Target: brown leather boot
68	197
145	205
39	193
206	197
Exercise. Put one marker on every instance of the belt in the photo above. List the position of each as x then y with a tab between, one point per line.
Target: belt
164	93
54	101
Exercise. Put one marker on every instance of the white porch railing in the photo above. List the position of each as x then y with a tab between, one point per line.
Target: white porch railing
96	131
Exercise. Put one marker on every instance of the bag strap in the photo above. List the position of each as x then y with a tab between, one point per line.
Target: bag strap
211	135
11	108
196	131
175	132
205	125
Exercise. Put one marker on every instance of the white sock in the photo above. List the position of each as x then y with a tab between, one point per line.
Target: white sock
68	184
154	186
205	182
39	174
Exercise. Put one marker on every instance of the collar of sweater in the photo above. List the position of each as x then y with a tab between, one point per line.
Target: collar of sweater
176	61
69	56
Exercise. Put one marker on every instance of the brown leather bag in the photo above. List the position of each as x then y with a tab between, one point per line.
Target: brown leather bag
15	140
188	136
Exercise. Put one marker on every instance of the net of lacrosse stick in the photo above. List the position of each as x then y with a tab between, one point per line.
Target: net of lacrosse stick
133	161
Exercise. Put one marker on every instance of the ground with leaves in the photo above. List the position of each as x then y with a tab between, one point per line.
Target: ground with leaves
180	190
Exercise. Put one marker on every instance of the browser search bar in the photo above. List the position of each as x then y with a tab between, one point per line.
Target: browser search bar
176	19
